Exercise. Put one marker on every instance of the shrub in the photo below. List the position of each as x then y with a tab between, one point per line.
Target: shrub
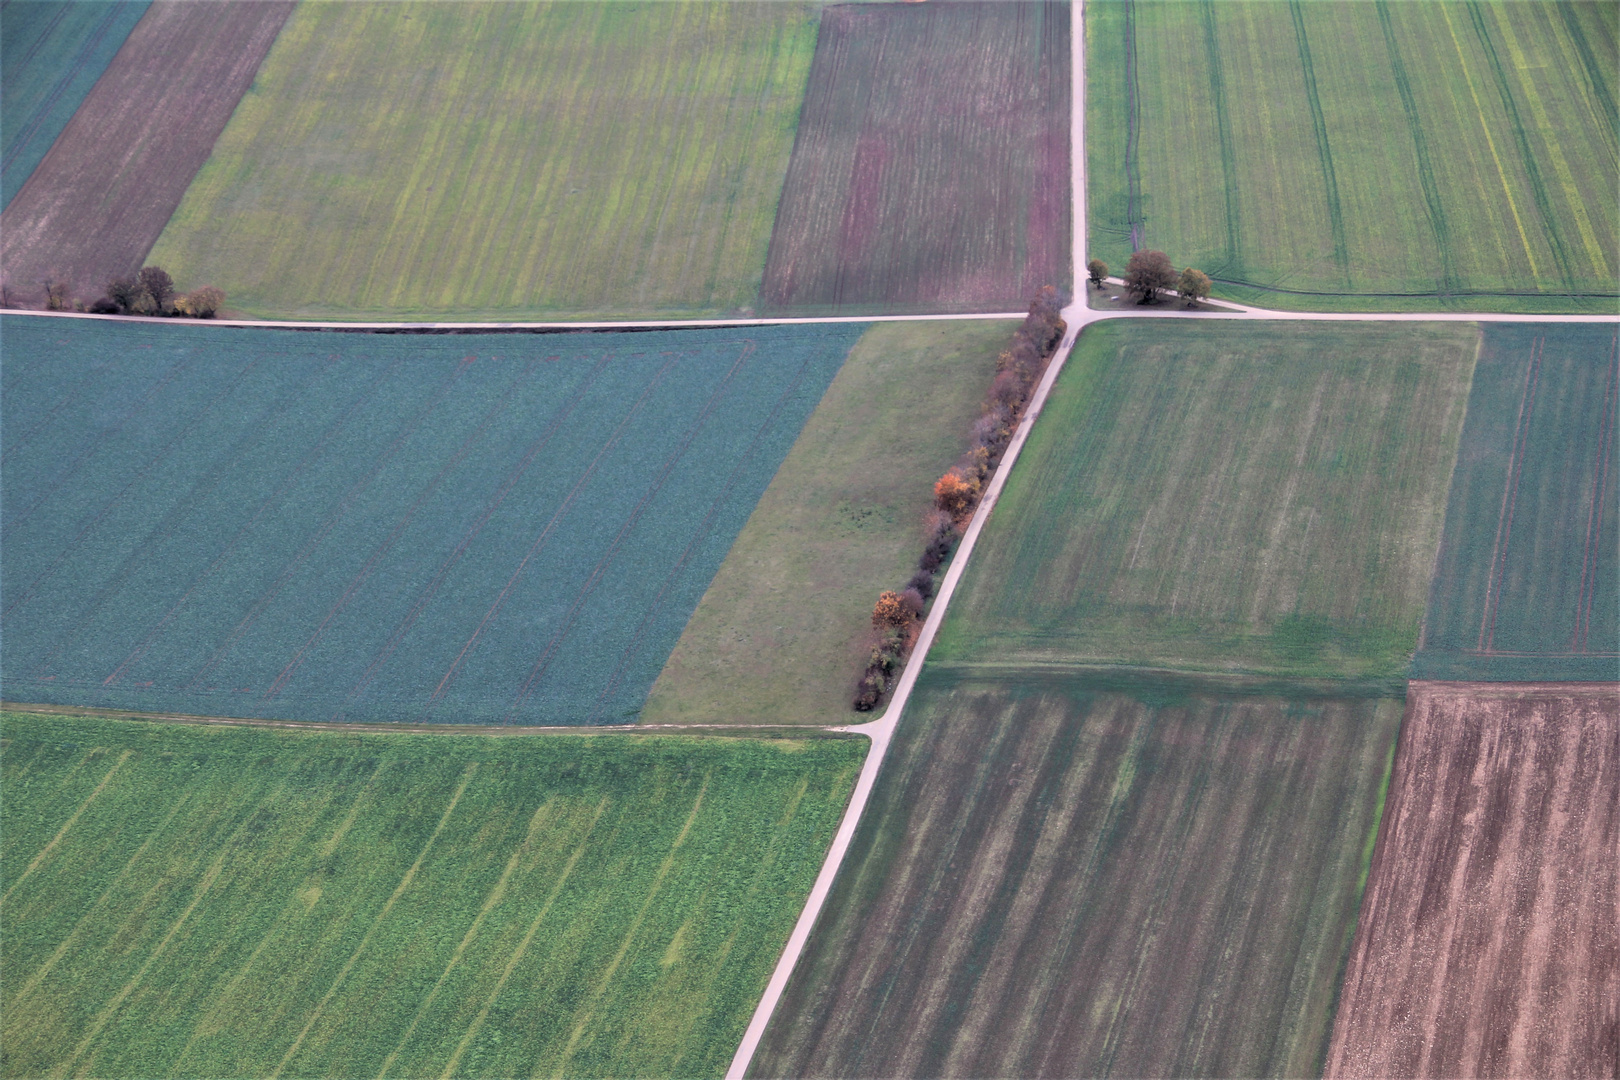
891	612
205	302
104	306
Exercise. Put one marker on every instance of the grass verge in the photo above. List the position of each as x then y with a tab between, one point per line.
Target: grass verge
778	636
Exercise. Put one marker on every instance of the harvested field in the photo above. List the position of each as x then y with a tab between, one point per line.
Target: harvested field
931	169
1488	944
780	636
51	54
92	209
1527	585
1058	879
1362	156
223	901
467	528
501	160
1260	498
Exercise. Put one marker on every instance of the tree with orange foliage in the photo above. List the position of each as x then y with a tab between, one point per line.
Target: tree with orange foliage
891	612
955	494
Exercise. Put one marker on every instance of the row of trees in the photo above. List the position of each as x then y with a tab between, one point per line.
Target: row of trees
896	618
1151	272
152	292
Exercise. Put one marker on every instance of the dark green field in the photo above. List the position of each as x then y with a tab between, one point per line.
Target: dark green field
226	901
1527	586
466	529
51	54
1255	498
1056	879
1362	156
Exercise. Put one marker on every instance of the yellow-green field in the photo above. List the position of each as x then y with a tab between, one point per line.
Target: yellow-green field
779	636
494	160
228	901
1361	156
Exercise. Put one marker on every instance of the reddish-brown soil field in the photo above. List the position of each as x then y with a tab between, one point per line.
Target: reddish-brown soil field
1059	879
97	202
1489	944
931	167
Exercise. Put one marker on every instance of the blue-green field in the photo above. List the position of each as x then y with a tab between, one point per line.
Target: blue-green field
51	54
491	528
1527	585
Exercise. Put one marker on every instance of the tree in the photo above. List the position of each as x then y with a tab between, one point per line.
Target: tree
160	287
125	293
1098	271
1193	286
57	297
892	612
1148	273
955	494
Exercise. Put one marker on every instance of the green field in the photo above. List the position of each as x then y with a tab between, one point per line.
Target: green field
493	160
226	901
778	637
1527	582
1055	879
1262	498
1361	156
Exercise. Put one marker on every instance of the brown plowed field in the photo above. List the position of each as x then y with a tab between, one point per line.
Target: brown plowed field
1488	943
97	202
930	171
1055	878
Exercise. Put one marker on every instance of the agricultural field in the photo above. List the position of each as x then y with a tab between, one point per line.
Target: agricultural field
1056	878
316	526
1361	156
1257	498
97	201
502	160
1527	584
931	168
230	901
780	635
1488	944
51	54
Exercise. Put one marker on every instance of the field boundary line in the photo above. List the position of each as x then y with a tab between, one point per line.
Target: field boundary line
45	851
404	883
1594	517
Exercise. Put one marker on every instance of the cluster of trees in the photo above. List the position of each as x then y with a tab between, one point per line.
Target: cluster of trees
152	292
1151	272
896	617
